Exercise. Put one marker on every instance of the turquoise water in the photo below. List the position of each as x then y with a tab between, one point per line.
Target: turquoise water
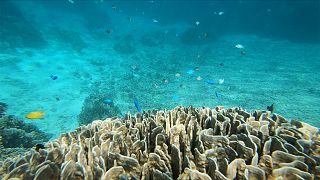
161	53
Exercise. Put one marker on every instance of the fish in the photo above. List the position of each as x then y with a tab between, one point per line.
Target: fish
39	146
239	46
197	23
108	102
220	13
190	71
155	21
205	34
54	77
109	31
35	115
210	81
175	97
218	95
271	108
220	81
136	104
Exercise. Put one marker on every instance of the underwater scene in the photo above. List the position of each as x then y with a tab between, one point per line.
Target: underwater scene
200	88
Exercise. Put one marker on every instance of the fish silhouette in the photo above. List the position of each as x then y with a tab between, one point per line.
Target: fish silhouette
271	108
136	104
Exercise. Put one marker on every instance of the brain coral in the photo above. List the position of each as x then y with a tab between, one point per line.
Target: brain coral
182	143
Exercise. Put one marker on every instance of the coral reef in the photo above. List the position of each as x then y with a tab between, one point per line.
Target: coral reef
94	108
16	136
182	143
3	108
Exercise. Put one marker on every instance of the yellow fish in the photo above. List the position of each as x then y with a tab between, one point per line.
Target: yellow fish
35	115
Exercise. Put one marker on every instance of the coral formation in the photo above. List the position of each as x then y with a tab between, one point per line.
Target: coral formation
94	108
3	108
16	136
182	143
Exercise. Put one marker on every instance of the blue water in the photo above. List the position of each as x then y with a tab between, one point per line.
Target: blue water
161	53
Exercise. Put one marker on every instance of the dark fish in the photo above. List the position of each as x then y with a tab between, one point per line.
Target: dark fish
271	108
54	77
221	64
109	31
136	104
39	146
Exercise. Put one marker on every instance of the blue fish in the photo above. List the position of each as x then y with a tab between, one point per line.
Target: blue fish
210	81
54	77
190	71
136	104
218	95
175	97
108	102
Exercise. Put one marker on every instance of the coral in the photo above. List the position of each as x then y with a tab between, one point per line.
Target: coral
16	136
182	143
94	108
3	108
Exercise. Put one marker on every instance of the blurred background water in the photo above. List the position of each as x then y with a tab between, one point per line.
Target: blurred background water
106	55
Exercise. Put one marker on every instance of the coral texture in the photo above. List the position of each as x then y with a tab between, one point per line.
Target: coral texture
94	109
16	136
182	143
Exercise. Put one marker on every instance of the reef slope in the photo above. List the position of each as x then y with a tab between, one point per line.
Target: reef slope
182	143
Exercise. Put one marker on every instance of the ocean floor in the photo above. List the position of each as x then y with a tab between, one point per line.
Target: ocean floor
155	67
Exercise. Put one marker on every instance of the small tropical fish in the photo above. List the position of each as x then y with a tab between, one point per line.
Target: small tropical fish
54	77
39	146
197	23
205	34
108	102
220	81
271	108
35	115
220	13
114	7
218	95
175	97
197	69
136	104
239	46
155	21
210	81
199	78
190	71
109	31
221	64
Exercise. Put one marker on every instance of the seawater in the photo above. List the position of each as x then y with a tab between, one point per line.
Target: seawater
160	53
